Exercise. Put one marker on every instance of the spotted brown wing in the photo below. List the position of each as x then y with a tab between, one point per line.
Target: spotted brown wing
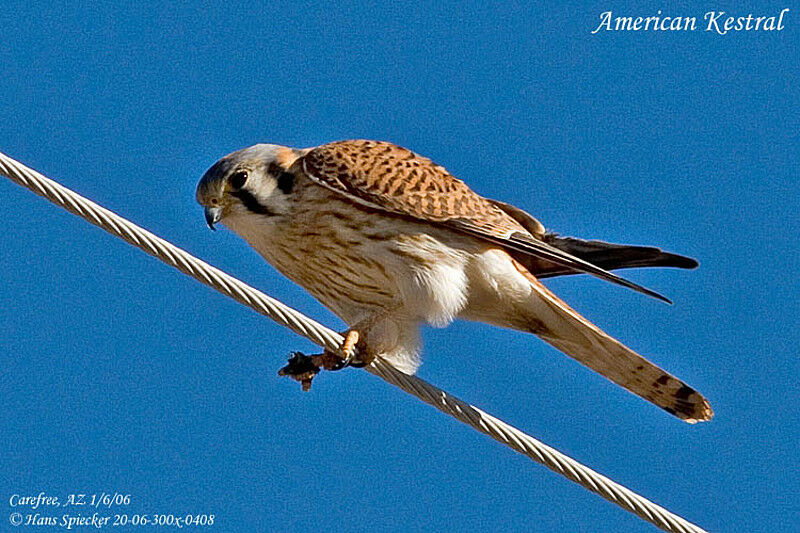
391	178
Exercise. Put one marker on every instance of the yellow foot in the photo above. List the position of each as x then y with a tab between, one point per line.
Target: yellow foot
348	347
352	346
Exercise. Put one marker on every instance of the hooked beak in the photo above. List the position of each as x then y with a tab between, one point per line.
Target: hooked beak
213	215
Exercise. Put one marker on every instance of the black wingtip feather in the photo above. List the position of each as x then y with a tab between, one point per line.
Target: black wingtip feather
609	256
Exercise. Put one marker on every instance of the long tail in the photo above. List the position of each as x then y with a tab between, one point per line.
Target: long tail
559	325
605	255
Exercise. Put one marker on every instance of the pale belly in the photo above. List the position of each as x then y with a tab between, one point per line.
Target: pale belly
361	265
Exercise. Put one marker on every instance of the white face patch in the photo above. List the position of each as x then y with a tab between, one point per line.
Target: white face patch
265	188
262	186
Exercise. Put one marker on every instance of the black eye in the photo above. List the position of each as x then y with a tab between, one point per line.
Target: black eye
238	179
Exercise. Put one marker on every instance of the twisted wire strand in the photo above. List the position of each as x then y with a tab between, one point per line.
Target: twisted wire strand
325	337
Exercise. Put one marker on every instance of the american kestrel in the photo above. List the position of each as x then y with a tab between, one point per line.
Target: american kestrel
388	240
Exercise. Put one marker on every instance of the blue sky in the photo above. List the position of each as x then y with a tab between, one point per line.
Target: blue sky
121	374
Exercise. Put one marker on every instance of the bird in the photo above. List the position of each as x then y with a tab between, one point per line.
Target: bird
388	240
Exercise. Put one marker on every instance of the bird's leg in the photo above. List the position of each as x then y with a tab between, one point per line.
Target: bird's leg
355	344
348	347
304	368
352	346
353	351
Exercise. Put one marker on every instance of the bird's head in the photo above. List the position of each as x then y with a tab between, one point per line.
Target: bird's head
255	180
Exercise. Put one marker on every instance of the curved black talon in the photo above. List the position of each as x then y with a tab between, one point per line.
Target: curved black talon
332	361
350	361
342	363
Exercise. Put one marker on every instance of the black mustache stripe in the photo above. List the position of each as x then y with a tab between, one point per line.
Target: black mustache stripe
251	203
